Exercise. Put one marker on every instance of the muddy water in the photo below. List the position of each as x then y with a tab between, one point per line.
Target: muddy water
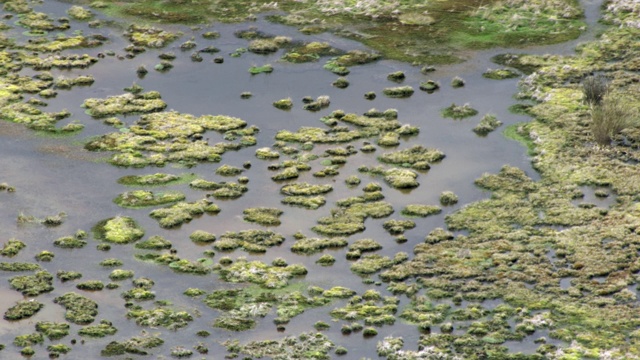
55	175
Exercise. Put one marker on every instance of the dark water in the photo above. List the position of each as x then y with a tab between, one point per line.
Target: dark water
56	174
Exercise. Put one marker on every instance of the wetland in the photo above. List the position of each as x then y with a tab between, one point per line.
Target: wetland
319	179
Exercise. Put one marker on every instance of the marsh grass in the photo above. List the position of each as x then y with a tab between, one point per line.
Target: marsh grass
611	116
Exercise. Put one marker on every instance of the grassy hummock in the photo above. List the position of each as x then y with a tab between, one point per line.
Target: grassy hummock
458	111
118	230
144	198
23	309
263	216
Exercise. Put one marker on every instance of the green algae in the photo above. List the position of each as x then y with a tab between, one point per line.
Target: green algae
303	346
182	212
283	104
118	230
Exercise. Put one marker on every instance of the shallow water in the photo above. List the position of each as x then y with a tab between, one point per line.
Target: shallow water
53	174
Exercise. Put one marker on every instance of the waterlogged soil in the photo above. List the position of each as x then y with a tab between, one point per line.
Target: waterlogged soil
54	174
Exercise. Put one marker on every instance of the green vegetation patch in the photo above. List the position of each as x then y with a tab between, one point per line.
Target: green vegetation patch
309	202
257	272
12	247
309	52
33	285
19	266
155	242
23	309
101	330
157	179
298	347
147	36
500	74
417	157
144	198
419	210
458	111
160	317
395	177
70	242
135	345
125	104
53	330
118	230
374	311
313	245
305	189
255	241
79	309
263	215
182	212
267	69
487	124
